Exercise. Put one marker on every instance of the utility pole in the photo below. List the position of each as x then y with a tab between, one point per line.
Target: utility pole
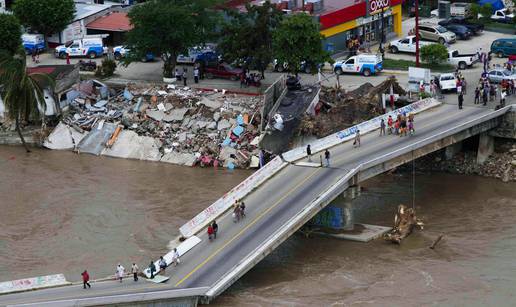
382	34
416	7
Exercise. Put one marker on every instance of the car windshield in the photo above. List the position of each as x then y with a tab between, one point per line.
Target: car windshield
447	78
506	73
441	29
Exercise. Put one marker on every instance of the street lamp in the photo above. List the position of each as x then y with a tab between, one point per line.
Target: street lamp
416	7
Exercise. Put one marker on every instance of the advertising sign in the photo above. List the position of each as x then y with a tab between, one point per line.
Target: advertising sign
376	6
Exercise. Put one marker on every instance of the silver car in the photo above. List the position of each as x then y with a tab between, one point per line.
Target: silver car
497	75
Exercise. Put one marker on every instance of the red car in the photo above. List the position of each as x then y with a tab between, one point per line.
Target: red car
223	71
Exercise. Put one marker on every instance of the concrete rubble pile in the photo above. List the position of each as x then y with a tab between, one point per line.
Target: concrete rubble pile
162	123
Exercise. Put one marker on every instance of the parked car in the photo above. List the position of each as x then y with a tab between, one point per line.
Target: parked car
305	66
223	70
365	64
407	44
462	61
33	42
436	33
460	31
90	47
503	15
447	82
475	28
504	47
204	55
499	74
120	52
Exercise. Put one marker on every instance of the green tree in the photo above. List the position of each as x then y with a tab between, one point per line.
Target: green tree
45	17
22	91
168	28
486	11
248	36
10	33
475	10
434	53
298	39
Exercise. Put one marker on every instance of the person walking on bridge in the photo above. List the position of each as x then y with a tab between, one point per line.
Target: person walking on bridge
85	279
242	209
461	100
382	127
134	270
175	257
162	264
215	229
120	272
210	232
327	157
152	269
389	124
309	152
356	143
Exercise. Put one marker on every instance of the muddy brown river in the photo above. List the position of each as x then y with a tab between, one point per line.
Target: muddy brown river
61	213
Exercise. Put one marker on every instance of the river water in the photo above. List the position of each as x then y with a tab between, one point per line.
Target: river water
62	213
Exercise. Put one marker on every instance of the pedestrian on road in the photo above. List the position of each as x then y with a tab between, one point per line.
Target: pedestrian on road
162	264
485	93
134	270
464	85
67	58
356	142
327	157
184	76
196	74
175	257
403	126
461	100
210	232
242	209
236	211
309	152
382	127
477	95
215	229
152	269
85	279
178	75
389	124
120	272
503	94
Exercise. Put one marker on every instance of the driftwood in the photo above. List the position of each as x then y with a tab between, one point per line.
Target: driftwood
404	222
436	241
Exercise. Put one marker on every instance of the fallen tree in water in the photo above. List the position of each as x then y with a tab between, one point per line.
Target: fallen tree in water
404	222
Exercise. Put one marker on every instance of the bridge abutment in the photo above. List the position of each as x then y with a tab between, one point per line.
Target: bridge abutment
452	150
346	201
485	147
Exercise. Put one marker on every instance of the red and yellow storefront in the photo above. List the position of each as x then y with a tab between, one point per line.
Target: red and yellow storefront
363	20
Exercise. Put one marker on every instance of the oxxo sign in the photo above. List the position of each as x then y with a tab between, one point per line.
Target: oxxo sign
377	5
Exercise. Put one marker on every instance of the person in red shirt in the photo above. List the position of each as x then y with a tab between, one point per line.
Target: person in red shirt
389	124
210	232
85	279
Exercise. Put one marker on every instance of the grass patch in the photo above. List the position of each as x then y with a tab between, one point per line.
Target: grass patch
405	64
490	25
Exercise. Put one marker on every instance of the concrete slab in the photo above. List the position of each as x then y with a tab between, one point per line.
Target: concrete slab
362	233
308	164
158	279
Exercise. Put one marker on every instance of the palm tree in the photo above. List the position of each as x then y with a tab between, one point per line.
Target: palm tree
22	94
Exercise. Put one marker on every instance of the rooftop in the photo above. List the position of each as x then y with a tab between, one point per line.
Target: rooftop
116	21
83	10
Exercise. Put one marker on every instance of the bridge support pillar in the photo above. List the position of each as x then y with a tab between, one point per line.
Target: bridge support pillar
452	150
485	147
349	216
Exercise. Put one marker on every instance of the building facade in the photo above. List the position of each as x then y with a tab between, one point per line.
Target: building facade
361	19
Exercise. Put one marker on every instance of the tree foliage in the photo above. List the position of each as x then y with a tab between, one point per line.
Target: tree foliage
22	92
298	39
248	36
475	10
486	11
45	17
10	33
168	28
434	53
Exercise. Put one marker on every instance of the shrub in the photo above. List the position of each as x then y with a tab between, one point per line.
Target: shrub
108	67
486	11
434	53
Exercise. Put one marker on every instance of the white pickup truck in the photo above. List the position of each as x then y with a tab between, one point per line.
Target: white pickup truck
462	61
407	44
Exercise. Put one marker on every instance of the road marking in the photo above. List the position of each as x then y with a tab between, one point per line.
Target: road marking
246	228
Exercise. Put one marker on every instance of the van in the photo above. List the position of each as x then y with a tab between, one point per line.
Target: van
504	47
436	33
90	47
33	42
365	64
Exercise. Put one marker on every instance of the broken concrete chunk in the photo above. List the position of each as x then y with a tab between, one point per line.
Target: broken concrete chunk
212	104
155	114
216	116
223	124
179	158
175	115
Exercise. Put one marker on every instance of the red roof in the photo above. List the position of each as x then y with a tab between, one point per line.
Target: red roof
117	22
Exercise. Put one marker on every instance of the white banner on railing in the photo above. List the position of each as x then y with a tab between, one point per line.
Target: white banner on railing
33	283
365	127
202	219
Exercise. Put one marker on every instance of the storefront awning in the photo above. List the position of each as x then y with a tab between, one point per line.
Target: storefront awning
116	22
